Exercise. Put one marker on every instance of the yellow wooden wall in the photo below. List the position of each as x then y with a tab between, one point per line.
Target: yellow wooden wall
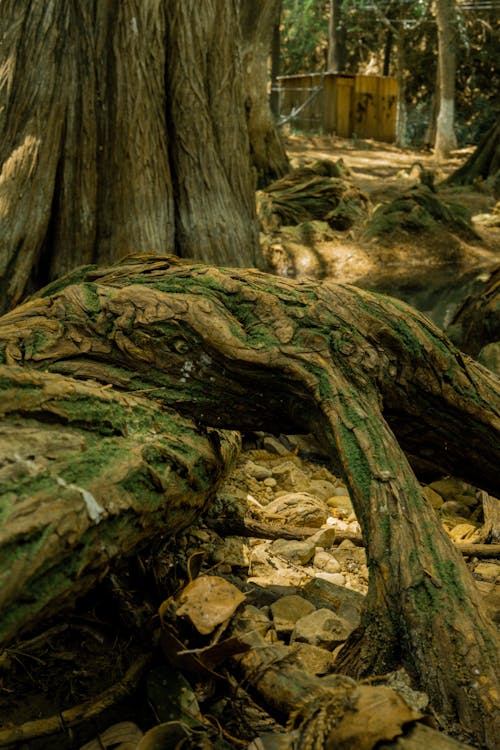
347	105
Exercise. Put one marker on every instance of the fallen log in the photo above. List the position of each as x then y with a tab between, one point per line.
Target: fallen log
371	377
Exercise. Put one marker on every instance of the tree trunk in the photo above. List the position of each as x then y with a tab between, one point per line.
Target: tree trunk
368	374
446	16
336	38
274	98
86	148
257	18
483	163
401	102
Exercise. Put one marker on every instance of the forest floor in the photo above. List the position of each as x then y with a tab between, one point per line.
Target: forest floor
295	588
433	269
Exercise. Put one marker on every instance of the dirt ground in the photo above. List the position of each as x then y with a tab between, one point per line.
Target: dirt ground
435	270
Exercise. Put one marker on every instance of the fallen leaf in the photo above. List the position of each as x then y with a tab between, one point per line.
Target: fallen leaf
123	736
209	601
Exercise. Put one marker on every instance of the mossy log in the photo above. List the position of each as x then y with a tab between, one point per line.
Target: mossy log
87	477
375	380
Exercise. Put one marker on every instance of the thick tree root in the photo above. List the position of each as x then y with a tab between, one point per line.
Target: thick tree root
370	376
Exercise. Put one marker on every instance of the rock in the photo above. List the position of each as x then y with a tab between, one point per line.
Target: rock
321	628
299	509
274	445
321	488
340	501
298	552
337	578
312	659
287	611
344	602
326	562
448	487
290	477
433	497
259	559
487	571
257	470
340	491
325	537
233	550
270	482
253	618
346	543
453	508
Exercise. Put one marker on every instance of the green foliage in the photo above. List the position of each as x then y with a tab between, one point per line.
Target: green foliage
304	44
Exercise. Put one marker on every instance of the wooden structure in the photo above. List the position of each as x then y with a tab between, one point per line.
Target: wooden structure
347	105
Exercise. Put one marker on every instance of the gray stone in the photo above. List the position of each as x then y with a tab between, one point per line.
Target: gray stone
270	482
253	618
321	628
274	445
453	508
312	659
257	470
298	552
325	537
324	561
448	487
299	509
433	497
337	578
321	488
287	611
344	602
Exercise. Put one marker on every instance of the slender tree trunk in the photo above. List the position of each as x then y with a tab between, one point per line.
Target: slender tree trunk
336	38
387	51
368	374
446	16
274	99
258	20
401	103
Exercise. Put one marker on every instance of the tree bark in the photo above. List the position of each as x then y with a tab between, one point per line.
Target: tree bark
446	16
257	18
336	38
483	163
89	476
86	148
368	374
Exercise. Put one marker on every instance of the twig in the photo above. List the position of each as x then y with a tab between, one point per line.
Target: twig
77	714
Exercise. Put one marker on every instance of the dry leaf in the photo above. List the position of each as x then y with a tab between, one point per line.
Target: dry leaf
209	601
123	736
168	735
380	714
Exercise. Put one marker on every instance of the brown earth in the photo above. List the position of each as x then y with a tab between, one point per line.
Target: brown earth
428	269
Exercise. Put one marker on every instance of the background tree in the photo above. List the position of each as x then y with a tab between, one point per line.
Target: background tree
258	21
94	143
446	16
336	38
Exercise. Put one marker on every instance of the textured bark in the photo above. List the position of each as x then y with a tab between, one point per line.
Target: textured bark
336	38
446	16
257	18
483	163
369	375
86	149
214	185
87	477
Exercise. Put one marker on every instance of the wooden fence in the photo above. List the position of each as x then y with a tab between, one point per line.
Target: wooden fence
346	105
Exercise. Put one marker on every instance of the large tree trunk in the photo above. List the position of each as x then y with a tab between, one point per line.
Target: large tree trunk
369	375
257	18
86	147
446	16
